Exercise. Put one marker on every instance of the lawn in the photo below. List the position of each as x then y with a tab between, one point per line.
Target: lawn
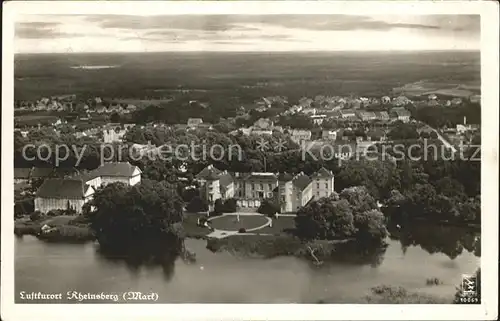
281	226
191	228
231	223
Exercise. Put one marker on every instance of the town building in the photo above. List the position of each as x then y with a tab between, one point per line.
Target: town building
322	183
62	194
112	134
347	113
400	114
318	119
194	122
330	135
250	189
366	115
475	98
263	123
382	116
300	135
122	172
386	100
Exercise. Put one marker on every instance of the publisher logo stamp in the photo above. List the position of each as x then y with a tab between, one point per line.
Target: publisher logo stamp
469	292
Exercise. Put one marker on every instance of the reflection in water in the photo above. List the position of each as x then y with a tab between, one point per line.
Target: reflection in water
359	254
150	254
223	277
433	238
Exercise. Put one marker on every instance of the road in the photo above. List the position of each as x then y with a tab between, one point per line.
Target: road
443	140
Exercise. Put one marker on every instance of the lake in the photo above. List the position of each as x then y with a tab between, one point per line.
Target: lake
411	258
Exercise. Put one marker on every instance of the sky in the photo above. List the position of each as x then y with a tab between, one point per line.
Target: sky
163	33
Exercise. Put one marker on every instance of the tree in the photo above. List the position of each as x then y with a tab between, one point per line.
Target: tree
268	207
325	219
230	205
370	227
218	207
396	198
450	187
197	204
127	216
359	199
403	131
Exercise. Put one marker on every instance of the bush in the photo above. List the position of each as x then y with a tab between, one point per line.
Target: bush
218	207
197	204
69	233
269	208
230	206
242	230
53	213
35	216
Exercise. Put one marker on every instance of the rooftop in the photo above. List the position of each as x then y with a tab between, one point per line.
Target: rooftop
115	169
62	188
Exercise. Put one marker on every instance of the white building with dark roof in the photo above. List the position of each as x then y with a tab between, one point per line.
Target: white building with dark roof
62	194
119	172
250	189
322	183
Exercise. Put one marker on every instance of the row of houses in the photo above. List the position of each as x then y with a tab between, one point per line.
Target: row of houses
250	189
318	116
73	191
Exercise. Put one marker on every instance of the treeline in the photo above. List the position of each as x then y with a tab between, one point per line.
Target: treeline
438	117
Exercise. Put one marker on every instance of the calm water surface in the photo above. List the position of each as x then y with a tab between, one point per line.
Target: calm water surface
224	278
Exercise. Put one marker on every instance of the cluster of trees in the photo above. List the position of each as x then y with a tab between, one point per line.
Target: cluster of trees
227	206
438	117
351	214
436	238
269	207
147	215
47	143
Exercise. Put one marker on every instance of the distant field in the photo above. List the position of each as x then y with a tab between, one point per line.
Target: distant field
139	102
34	119
246	76
450	88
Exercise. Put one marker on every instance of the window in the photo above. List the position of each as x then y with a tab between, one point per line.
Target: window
261	186
270	187
326	185
253	186
317	185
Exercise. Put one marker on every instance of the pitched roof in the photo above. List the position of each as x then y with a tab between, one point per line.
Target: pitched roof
364	113
323	173
262	176
347	111
22	173
209	173
401	112
301	181
116	169
225	179
62	188
382	114
194	121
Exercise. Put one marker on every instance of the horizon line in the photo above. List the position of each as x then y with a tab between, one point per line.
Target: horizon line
250	51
